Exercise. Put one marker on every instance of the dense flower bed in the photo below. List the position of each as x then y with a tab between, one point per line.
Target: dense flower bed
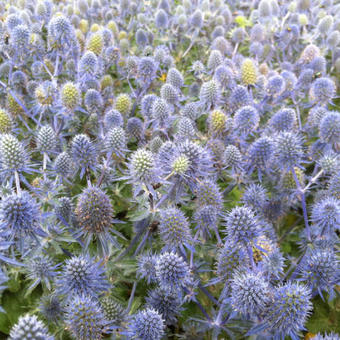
169	169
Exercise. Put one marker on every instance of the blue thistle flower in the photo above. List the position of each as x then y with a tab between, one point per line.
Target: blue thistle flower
238	35
51	308
319	65
84	153
88	65
305	79
170	93
232	157
60	32
166	303
94	215
174	228
146	69
161	19
208	193
288	149
93	101
175	78
325	24
273	264
41	269
114	312
186	128
290	80
225	77
210	94
310	52
255	196
135	128
197	19
172	270
146	106
320	270
322	90
85	319
215	59
12	21
63	164
191	110
250	293
246	119
115	142
46	139
141	37
283	120
142	167
197	67
19	38
326	215
329	127
206	219
334	185
256	48
289	310
220	43
29	327
257	32
13	155
199	160
147	267
275	86
329	163
146	325
239	97
161	113
333	39
20	218
113	118
155	144
242	226
261	153
19	80
82	275
112	54
229	258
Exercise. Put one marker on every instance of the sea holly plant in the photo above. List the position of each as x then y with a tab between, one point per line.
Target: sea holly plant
169	169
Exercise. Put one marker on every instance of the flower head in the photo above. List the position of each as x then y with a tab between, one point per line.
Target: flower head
82	275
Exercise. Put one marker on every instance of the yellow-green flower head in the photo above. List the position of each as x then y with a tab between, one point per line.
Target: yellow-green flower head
288	181
95	28
5	122
218	121
12	105
180	164
248	72
122	35
95	43
70	95
123	103
80	38
84	25
111	25
106	81
303	20
43	96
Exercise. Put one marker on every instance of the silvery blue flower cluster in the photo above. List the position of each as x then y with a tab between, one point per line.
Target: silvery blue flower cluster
169	169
